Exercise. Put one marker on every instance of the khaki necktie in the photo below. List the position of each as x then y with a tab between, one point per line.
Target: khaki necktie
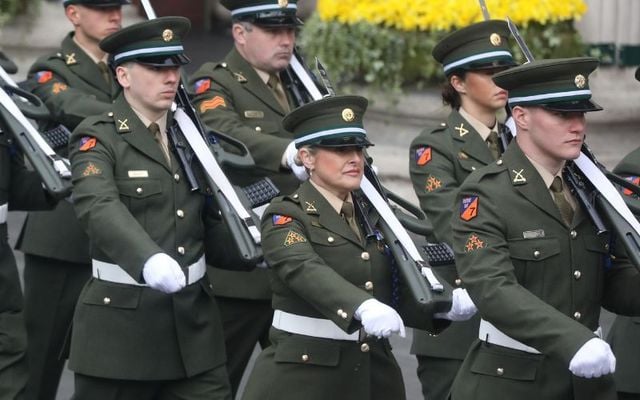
563	205
347	212
106	74
276	88
157	135
494	144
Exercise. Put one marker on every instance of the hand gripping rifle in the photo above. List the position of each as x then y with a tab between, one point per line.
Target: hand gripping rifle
591	184
426	294
191	139
15	106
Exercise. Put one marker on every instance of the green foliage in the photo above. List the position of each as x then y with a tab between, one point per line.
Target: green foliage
390	60
12	8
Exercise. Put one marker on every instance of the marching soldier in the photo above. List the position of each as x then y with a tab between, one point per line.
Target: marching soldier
243	97
146	325
529	254
625	331
441	159
75	83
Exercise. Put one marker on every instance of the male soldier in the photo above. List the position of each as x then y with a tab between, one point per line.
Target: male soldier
146	325
529	254
243	97
441	159
74	83
625	331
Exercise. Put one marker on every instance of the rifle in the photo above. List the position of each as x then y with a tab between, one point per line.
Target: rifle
426	294
192	140
15	106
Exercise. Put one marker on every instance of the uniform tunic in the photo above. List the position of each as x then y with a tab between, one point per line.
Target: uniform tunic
321	269
625	331
535	279
439	161
133	205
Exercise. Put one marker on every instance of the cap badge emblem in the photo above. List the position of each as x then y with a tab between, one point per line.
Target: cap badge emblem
580	81
495	39
283	3
167	35
348	115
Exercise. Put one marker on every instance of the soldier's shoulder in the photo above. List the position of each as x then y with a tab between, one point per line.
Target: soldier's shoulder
493	173
52	61
435	135
103	122
212	70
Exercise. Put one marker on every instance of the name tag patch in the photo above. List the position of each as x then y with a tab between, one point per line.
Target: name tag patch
138	174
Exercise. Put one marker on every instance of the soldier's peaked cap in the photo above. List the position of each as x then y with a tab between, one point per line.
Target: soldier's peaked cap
97	3
157	42
329	122
479	46
269	13
560	84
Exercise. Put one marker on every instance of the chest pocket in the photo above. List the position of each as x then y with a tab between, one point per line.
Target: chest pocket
506	364
112	295
531	258
263	126
305	350
469	164
139	195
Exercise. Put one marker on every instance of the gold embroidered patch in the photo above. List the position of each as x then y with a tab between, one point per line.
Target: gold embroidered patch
123	124
519	177
461	130
58	87
311	207
293	238
473	243
167	35
348	115
71	58
433	183
495	39
91	170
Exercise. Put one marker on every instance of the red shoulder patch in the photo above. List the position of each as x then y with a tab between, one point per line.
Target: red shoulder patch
44	76
423	156
87	143
469	208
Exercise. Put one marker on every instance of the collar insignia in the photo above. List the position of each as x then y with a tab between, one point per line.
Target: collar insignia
311	207
71	58
123	125
461	129
519	177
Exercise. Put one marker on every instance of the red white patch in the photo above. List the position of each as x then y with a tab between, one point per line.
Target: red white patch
87	143
423	156
469	208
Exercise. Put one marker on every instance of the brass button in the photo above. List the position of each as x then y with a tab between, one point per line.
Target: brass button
458	281
473	168
365	255
223	65
210	286
181	250
499	162
176	178
305	358
606	246
180	214
139	190
443	124
330	239
577	274
106	300
536	254
295	196
500	371
364	348
110	114
368	285
258	129
574	234
340	311
577	315
344	315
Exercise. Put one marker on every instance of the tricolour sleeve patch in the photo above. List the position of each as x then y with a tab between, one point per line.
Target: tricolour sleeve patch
202	86
44	76
281	219
212	104
293	238
87	143
423	156
469	208
633	179
473	243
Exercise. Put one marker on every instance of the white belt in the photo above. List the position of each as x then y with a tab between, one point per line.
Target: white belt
491	334
309	326
114	273
4	209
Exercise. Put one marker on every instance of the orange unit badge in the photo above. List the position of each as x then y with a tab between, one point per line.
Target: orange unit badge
212	104
469	208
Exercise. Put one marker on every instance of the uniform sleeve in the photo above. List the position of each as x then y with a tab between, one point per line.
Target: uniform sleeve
484	263
108	222
433	177
26	192
216	105
67	105
292	258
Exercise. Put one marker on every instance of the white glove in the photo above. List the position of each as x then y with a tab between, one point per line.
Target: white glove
163	273
378	319
462	307
291	155
593	360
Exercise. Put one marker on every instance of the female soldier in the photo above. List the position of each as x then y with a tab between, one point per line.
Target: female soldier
442	158
330	275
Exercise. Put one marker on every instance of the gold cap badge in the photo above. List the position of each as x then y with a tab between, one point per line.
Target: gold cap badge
348	115
167	35
495	39
283	3
580	81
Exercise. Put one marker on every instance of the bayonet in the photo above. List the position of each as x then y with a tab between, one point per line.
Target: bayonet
523	46
485	11
325	78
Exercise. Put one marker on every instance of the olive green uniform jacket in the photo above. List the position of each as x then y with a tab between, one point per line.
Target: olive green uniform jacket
535	279
321	269
625	331
129	200
453	151
232	99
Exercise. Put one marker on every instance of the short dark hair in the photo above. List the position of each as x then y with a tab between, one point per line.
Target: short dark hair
450	95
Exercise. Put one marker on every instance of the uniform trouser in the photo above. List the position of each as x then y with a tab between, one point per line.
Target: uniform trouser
245	323
628	396
436	376
13	336
209	385
51	289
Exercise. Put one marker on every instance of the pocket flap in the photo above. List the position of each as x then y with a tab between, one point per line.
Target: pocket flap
138	188
115	295
506	363
534	249
308	350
